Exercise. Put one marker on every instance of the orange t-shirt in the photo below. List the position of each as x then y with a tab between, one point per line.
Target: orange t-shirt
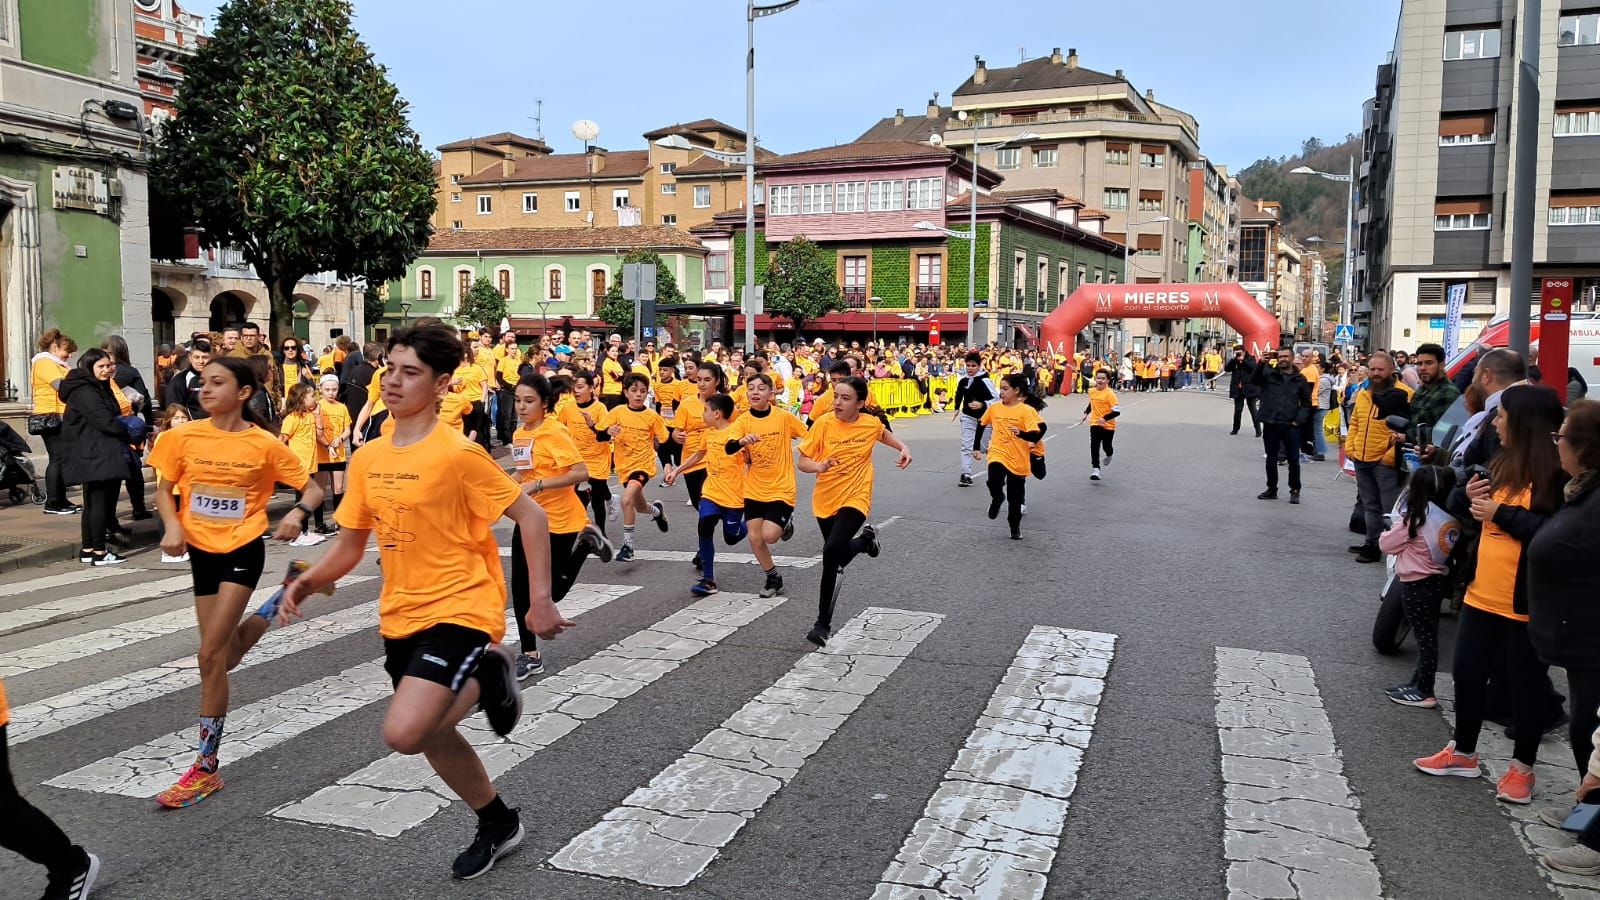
452	412
724	471
823	403
670	394
224	480
691	420
848	482
299	431
1006	448
595	452
375	390
431	504
335	422
634	448
5	708
545	452
1494	580
1101	403
611	373
770	478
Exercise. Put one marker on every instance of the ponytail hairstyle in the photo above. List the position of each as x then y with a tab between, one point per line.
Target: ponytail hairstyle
859	385
1429	484
717	373
245	377
560	384
1020	384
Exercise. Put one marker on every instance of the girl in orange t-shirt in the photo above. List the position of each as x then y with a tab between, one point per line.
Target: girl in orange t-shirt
1016	423
838	450
299	430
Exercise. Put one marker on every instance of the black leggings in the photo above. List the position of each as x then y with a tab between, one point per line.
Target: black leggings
670	452
1481	637
1100	438
55	479
695	482
478	420
135	482
99	513
1584	685
564	568
599	493
1421	601
1010	487
26	830
839	546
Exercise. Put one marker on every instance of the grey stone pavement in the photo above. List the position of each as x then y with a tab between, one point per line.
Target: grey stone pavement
1167	690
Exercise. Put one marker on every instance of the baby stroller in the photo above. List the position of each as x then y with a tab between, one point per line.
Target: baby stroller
16	469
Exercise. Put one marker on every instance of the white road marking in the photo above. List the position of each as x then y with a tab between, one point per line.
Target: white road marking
886	522
149	768
683	556
58	580
666	833
43	656
1554	785
77	607
398	793
1291	825
992	827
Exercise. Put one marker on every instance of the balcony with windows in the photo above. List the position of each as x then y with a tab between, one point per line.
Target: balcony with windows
928	298
855	297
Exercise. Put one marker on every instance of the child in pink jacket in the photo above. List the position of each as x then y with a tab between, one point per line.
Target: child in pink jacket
1420	543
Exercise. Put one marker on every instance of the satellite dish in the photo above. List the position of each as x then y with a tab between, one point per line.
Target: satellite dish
935	139
585	130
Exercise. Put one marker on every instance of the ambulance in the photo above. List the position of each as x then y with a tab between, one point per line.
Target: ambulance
1583	351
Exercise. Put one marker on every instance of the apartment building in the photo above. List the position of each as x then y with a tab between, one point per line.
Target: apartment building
1436	187
510	181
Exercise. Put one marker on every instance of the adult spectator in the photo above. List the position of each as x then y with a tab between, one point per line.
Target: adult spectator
1432	399
1371	446
1577	387
1323	398
1496	371
230	340
1312	372
1285	399
1241	390
249	342
267	402
131	383
95	444
184	387
1523	490
49	367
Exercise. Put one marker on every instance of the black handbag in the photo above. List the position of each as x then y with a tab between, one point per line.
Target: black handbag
44	423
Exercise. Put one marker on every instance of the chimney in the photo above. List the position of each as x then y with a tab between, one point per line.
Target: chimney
1120	76
597	160
899	116
1072	58
980	74
1150	94
1055	56
933	108
508	167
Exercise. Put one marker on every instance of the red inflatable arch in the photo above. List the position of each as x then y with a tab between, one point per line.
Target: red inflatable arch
1257	328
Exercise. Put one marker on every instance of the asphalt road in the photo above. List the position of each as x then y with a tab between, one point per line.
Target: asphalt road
1297	780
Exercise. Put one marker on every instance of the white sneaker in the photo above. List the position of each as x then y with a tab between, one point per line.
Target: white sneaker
307	539
109	559
1094	475
1024	509
169	558
612	510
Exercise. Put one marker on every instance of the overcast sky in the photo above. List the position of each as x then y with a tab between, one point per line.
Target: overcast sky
1260	75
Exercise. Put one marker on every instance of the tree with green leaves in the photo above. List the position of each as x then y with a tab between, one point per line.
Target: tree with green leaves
291	143
618	312
801	283
483	306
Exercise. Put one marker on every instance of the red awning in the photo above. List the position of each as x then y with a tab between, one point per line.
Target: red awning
1027	331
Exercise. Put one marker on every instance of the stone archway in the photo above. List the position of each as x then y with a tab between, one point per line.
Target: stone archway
304	307
1258	329
166	305
229	308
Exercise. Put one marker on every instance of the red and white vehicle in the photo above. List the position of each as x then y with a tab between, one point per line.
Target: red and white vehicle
1583	352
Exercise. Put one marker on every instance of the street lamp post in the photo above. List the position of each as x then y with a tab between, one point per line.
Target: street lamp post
1346	301
405	312
875	302
544	322
752	13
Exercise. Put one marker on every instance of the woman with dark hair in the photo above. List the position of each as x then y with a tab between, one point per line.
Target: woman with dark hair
131	383
46	372
266	401
1524	488
95	441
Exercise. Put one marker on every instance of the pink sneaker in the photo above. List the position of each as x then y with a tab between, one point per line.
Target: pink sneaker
1449	762
1515	786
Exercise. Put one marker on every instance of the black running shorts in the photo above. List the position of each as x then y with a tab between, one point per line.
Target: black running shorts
239	566
445	654
768	510
332	467
639	475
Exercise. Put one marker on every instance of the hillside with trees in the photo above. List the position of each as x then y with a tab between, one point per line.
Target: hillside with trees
1312	206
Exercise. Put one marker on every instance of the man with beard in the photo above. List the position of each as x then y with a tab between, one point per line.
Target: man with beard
1371	446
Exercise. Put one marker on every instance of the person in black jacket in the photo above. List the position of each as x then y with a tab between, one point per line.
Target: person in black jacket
1240	390
95	456
133	387
183	388
1285	397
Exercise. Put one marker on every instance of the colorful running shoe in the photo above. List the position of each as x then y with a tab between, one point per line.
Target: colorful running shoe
1515	786
195	785
1449	762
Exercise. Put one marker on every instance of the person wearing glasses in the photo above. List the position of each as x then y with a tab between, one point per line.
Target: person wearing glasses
293	367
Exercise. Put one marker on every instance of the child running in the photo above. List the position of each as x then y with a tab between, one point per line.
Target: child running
769	485
333	448
174	415
27	831
1016	424
634	432
838	450
224	470
431	495
581	416
300	430
1101	414
546	462
721	471
689	428
1421	543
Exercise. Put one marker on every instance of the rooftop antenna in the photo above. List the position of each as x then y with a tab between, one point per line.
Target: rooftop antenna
1022	54
538	119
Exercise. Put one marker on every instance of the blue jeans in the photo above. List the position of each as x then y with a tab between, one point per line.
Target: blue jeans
1318	439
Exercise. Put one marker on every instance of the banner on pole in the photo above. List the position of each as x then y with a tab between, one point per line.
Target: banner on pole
1455	297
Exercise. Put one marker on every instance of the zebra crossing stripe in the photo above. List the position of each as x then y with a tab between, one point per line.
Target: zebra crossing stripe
43	656
683	556
53	611
63	579
149	768
1291	827
666	833
992	827
398	793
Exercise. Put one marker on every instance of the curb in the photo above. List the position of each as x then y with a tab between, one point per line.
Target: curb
38	554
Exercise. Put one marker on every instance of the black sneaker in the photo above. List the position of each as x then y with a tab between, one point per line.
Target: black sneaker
529	665
1411	695
1368	555
966	481
696	563
140	515
1267	495
994	507
86	556
1294	497
660	514
493	841
592	540
76	882
68	510
869	537
1355	548
498	696
818	635
1016	535
774	585
624	554
788	528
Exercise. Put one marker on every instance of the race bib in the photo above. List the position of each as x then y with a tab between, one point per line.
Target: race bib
666	411
217	503
522	455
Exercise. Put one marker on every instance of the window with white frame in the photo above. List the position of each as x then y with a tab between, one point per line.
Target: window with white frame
1019	279
1117	154
816	198
669	189
1042	283
852	197
1115	199
425	284
1461	221
886	196
1582	209
502	281
485	204
1456	129
1577	122
1579	29
1007	158
455	224
574	201
785	200
702	196
667	168
1045	157
761	192
455	196
553	280
717	271
1150	201
1063	277
1152	159
455	179
619	198
530	204
669	219
463	284
1472	43
924	193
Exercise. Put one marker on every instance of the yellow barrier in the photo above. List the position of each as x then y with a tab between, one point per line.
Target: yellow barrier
903	398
